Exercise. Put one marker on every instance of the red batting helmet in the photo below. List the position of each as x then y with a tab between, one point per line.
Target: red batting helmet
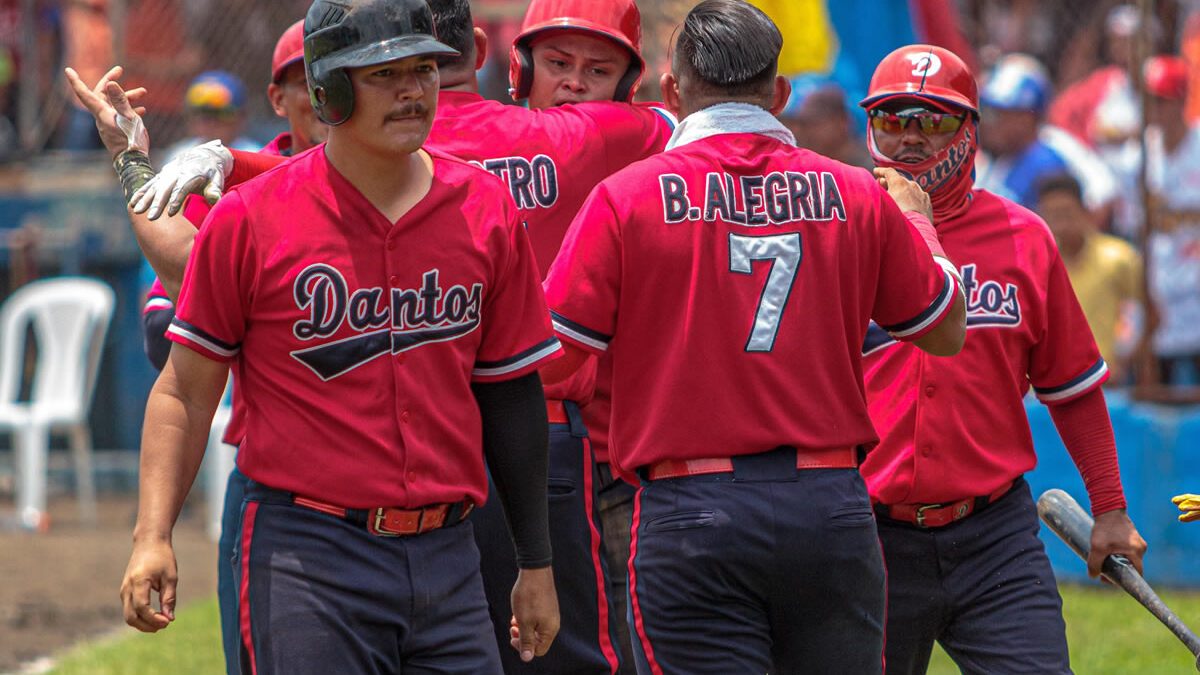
617	20
923	71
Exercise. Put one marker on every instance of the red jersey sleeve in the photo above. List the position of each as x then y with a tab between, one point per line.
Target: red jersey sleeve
247	165
584	283
908	305
1065	363
217	285
517	337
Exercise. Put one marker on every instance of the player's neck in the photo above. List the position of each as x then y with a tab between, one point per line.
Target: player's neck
459	79
393	186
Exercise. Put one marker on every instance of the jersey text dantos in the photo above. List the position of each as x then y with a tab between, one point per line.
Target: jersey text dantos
345	348
956	428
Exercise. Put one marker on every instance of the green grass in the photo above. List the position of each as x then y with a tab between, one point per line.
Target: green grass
1109	632
191	645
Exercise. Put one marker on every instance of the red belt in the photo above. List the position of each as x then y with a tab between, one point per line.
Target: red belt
556	411
387	521
937	515
828	458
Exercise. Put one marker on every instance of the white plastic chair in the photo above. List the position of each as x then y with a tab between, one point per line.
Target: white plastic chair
69	317
218	462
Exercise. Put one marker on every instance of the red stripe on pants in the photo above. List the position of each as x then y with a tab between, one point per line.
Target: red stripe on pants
244	583
638	625
605	636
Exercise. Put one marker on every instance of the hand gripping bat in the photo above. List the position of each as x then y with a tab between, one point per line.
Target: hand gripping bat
1062	514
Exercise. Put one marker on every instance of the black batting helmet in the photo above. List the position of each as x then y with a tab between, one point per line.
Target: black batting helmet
340	34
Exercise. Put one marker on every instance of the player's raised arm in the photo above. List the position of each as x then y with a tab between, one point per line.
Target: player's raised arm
166	244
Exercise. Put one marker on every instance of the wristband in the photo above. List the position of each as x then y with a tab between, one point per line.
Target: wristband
134	170
928	233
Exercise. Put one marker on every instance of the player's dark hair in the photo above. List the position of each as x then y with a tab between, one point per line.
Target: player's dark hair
730	45
452	18
1060	182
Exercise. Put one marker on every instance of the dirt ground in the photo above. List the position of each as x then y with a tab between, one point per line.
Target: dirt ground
60	587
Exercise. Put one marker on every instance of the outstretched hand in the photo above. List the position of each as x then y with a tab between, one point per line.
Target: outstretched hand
117	119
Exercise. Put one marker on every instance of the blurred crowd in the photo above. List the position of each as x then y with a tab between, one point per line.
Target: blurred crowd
1090	114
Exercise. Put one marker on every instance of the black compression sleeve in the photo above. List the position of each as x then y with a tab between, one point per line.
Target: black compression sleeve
515	444
154	339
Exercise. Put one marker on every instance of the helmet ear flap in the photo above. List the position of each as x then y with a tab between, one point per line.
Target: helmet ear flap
332	96
520	71
628	85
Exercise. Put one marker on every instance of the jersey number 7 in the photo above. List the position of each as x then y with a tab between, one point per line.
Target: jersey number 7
784	252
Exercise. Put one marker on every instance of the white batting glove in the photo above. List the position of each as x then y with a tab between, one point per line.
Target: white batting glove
199	170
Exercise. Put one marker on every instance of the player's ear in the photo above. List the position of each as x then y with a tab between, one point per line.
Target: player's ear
275	95
480	47
670	93
779	97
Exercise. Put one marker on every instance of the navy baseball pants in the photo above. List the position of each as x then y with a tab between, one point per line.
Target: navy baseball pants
614	505
323	595
769	568
586	641
981	586
227	587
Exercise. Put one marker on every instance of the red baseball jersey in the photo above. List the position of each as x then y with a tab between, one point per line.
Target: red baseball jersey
732	278
354	340
953	428
550	160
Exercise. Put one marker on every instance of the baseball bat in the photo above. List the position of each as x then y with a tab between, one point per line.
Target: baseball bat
1063	515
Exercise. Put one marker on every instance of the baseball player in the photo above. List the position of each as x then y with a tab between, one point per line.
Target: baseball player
732	278
550	155
956	519
288	93
353	553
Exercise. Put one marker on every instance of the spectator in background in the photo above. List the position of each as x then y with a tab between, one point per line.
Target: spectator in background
1081	107
1013	98
1022	150
215	107
1105	271
817	115
1173	249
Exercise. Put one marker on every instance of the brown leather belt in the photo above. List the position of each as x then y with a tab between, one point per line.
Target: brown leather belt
828	458
556	411
937	515
388	521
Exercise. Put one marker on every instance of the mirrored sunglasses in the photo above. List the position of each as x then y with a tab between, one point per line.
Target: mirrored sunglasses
928	122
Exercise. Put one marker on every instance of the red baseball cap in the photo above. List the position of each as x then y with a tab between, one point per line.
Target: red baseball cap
289	50
1167	77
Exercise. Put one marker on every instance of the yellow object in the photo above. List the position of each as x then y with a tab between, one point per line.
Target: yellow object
1189	504
1106	275
809	41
